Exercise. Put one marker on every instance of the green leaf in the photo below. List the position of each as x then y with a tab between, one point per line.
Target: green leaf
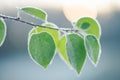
42	48
89	26
2	31
76	51
93	48
62	49
38	13
53	33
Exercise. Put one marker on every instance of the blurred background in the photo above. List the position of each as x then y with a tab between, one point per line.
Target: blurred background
15	62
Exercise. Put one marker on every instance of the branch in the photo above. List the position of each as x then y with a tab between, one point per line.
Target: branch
32	24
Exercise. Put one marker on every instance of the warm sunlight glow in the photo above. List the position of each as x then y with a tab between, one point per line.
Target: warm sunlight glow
75	9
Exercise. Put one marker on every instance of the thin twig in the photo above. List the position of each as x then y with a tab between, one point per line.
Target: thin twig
32	24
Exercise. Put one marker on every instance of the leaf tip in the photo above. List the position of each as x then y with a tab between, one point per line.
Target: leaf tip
78	71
